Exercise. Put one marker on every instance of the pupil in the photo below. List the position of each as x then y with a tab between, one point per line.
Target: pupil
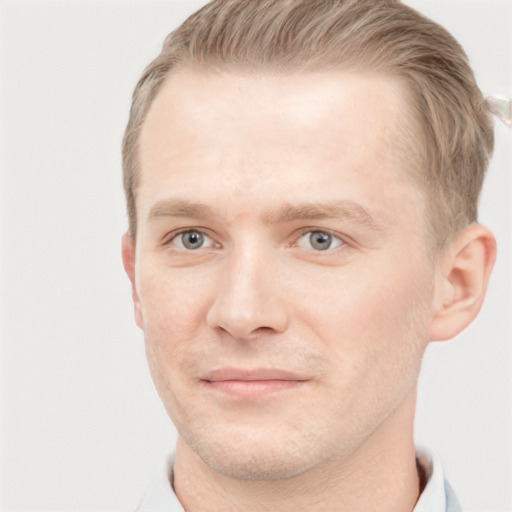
321	241
193	240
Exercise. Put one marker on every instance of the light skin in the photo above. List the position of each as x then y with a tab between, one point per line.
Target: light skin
283	280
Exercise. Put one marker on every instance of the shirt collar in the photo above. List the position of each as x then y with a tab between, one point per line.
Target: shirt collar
433	497
160	496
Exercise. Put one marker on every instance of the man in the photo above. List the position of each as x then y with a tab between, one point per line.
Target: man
302	181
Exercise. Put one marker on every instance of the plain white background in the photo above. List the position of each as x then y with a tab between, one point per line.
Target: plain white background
82	428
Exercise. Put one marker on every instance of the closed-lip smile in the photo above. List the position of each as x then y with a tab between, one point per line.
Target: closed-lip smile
248	383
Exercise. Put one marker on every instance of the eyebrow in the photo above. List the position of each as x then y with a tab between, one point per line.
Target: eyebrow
338	209
179	208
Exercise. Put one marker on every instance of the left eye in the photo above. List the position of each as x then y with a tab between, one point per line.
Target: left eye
192	240
319	241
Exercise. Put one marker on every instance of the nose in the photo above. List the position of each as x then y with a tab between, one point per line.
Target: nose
249	300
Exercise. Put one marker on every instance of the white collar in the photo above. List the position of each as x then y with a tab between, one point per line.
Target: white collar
433	497
160	496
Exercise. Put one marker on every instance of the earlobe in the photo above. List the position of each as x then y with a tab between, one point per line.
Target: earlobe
461	281
128	255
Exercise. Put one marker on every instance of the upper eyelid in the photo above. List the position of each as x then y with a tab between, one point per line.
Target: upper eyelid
169	241
170	236
303	231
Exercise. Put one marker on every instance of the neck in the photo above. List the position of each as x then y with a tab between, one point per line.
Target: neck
380	474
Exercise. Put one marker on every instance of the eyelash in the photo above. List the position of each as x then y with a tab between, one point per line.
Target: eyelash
334	238
175	235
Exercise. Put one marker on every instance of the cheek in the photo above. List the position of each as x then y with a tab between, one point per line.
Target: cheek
372	316
377	354
174	306
171	302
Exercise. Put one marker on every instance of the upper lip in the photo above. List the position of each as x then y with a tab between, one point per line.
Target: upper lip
223	374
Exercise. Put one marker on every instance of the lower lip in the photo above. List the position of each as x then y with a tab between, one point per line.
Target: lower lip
252	388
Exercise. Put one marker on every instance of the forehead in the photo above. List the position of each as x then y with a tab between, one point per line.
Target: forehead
291	133
193	101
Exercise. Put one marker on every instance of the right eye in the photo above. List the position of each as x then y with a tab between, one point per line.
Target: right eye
192	240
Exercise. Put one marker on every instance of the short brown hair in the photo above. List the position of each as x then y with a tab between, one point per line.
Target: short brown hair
383	36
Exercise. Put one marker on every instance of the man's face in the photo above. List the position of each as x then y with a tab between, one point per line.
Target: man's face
282	277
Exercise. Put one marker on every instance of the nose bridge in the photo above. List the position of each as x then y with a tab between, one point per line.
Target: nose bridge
248	294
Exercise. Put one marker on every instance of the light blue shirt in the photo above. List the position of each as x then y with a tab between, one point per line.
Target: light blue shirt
436	497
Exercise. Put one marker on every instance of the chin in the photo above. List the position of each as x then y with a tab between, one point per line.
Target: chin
255	455
246	465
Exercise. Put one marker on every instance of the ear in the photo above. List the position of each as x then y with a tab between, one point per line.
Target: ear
461	281
128	254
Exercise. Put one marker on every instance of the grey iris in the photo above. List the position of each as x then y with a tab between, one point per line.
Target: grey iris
320	240
192	239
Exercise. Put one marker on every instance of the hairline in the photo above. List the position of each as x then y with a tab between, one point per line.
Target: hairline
410	143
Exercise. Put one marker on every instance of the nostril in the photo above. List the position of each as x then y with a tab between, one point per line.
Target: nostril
244	323
263	329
